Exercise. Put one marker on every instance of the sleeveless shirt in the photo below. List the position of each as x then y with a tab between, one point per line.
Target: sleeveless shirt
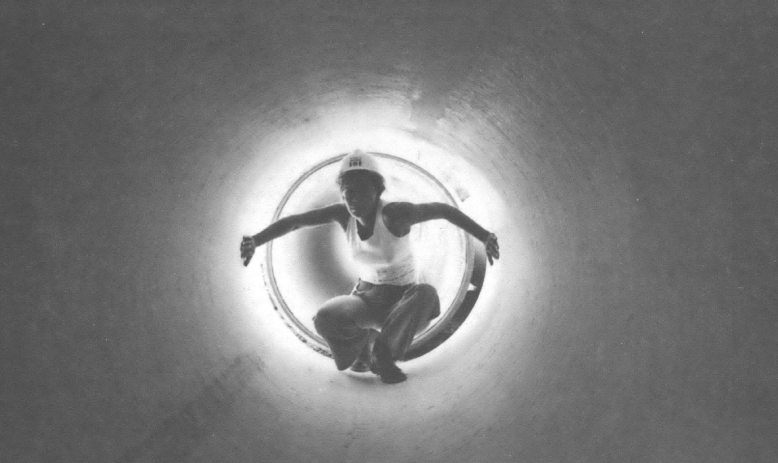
384	258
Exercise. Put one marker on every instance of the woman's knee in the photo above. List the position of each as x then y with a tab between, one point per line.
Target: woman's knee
427	291
428	297
336	312
324	319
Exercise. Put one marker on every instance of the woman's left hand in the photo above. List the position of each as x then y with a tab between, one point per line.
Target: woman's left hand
492	248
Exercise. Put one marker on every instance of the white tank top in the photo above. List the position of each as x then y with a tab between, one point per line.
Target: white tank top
382	259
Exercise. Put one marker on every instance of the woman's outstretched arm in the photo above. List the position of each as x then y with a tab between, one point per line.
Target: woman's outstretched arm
321	216
402	216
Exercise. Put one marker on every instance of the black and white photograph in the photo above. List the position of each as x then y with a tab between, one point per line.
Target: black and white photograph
305	231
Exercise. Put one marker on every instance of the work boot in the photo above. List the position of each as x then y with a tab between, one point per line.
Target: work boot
362	363
383	364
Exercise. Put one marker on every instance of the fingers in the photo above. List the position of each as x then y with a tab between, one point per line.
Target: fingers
247	243
492	248
492	256
247	249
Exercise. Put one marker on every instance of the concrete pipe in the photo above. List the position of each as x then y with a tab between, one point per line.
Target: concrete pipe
624	155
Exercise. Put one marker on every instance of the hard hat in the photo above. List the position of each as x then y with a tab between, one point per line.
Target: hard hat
359	160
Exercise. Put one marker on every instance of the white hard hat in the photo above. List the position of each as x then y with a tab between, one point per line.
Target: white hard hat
359	160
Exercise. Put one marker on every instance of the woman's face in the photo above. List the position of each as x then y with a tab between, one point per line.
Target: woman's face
359	195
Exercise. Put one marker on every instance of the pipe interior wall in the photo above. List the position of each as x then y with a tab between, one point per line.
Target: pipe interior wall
625	156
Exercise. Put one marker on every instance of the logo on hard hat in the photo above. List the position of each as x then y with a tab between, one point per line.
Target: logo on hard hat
355	162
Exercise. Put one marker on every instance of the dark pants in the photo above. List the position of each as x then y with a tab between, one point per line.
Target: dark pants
398	312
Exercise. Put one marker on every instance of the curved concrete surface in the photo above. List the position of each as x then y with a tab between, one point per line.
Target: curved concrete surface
625	155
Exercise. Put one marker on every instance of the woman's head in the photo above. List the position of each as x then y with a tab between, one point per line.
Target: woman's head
361	183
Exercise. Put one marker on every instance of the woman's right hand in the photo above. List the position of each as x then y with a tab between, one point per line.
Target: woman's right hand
247	248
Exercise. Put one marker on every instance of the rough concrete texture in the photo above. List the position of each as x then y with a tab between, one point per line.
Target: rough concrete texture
632	316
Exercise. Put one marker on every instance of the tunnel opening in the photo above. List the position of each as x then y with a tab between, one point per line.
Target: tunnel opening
304	269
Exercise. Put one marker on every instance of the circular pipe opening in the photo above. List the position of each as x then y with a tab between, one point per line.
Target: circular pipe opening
304	269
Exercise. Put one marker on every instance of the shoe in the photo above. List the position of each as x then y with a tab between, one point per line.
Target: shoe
360	366
383	364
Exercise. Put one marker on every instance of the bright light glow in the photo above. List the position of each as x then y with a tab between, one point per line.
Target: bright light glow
284	155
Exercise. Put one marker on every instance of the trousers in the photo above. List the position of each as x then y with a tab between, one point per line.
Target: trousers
397	312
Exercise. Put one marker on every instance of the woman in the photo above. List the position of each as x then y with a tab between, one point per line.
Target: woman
374	325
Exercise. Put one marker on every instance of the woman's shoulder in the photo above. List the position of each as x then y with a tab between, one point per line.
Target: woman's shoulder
398	207
397	217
